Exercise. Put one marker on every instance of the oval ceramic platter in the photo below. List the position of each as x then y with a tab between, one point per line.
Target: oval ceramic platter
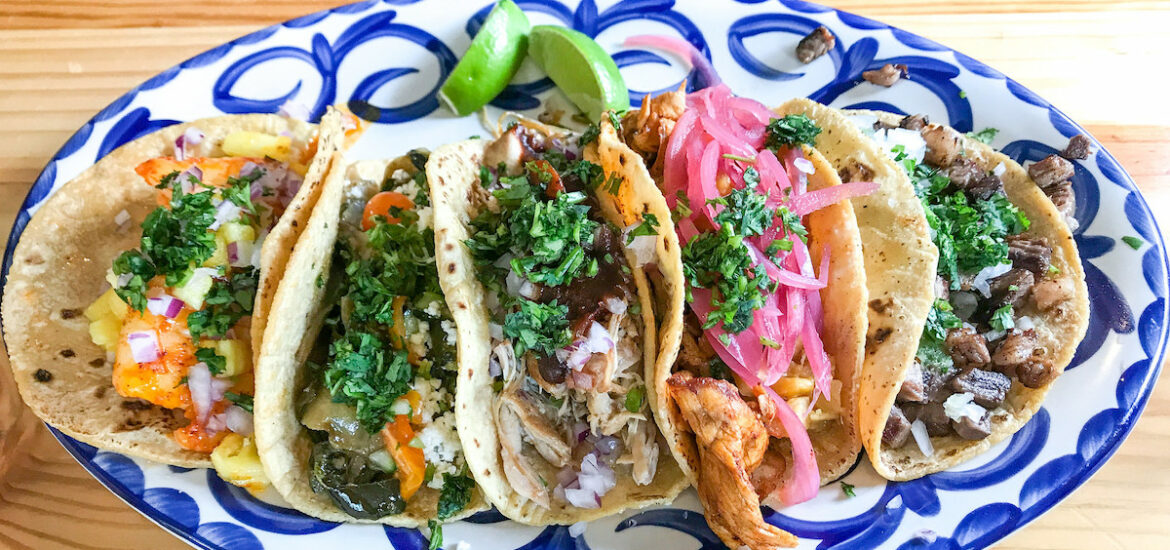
387	59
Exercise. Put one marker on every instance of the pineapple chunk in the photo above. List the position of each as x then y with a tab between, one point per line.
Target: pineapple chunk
236	461
793	386
107	305
256	144
236	232
239	358
105	332
220	257
194	290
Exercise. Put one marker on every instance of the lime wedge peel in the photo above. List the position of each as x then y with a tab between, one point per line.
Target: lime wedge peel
490	61
580	68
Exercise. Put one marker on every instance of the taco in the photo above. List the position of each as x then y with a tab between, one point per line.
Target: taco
152	357
355	386
1008	305
543	250
760	405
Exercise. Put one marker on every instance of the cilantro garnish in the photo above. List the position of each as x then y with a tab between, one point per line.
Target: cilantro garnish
141	270
240	400
365	372
746	210
715	260
847	489
985	135
940	319
239	191
649	226
536	326
453	498
589	135
548	236
682	208
970	234
792	130
215	362
769	342
1133	242
1002	318
229	300
932	354
393	262
616	121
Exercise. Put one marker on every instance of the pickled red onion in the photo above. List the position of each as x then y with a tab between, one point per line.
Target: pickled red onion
805	478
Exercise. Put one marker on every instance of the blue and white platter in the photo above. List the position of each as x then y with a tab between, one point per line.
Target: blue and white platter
394	55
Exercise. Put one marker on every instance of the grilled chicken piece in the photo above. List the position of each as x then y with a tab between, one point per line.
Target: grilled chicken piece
731	441
545	438
646	129
517	468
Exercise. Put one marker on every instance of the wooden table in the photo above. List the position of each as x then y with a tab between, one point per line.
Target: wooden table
1101	61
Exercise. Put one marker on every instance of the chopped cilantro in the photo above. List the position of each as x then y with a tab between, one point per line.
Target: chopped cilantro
455	495
746	210
649	226
1133	242
239	191
550	237
716	260
985	135
940	319
436	528
240	400
725	339
777	245
932	354
847	489
1053	270
365	372
1002	318
395	261
635	398
616	120
613	184
229	300
792	130
963	94
589	135
769	342
320	281
719	370
136	264
536	326
682	208
215	362
792	223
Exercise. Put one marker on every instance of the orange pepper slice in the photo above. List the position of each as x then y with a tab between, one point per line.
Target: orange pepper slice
381	204
396	436
415	399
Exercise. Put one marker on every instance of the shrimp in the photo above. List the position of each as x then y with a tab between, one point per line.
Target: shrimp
159	381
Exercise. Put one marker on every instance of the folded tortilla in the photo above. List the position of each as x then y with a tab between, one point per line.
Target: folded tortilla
902	298
59	267
453	172
298	314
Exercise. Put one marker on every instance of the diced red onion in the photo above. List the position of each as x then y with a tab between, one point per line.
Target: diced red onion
494	367
238	420
294	110
233	252
615	305
567	477
607	444
216	423
982	280
580	431
165	305
205	390
144	346
189	179
922	437
192	136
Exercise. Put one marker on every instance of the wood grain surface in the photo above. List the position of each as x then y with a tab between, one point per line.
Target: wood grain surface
61	61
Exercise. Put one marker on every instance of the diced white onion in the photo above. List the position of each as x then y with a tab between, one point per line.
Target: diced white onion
960	405
496	331
595	480
643	247
122	217
577	529
985	275
400	406
225	212
615	305
512	283
529	290
144	346
503	261
922	438
238	420
1025	323
993	335
999	170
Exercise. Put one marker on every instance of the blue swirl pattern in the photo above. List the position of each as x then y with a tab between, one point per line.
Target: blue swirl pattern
306	55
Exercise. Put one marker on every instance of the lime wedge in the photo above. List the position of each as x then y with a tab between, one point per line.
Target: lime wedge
490	61
580	68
